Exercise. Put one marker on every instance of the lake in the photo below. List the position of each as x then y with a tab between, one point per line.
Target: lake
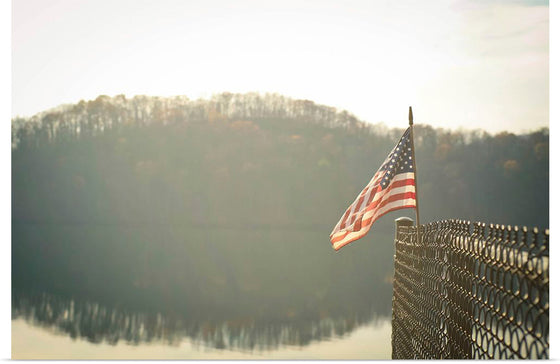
371	341
87	291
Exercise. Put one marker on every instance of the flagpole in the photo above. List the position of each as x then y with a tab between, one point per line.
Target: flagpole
410	122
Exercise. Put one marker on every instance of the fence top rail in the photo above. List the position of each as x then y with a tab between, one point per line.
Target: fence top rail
508	234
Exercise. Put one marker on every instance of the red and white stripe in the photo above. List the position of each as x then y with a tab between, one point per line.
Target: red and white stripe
372	203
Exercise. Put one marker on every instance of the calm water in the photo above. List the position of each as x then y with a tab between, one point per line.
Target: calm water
175	292
371	341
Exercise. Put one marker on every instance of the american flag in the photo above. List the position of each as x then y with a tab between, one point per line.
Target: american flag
391	188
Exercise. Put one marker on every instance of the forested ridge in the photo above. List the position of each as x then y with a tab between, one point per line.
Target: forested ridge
256	159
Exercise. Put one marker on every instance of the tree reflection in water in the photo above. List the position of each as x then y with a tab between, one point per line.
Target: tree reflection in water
101	324
243	289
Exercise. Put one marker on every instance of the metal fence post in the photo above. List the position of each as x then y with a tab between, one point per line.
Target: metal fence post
395	323
402	221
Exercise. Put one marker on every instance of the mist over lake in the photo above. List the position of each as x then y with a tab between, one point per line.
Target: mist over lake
151	219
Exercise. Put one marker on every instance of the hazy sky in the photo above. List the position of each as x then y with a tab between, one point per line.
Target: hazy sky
472	64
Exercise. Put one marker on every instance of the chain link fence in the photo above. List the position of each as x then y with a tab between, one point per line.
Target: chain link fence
466	290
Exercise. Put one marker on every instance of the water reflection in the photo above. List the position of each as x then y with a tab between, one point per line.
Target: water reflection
246	290
100	324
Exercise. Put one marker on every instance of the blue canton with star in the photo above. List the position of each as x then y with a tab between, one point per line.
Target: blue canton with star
398	161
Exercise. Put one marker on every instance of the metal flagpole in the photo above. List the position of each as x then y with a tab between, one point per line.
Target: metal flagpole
414	168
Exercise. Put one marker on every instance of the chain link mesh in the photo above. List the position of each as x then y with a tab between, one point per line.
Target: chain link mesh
470	291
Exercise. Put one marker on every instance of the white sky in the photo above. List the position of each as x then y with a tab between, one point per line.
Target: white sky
471	64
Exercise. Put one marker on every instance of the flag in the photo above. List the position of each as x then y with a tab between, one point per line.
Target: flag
391	188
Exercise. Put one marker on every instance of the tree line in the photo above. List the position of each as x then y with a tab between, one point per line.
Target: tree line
264	147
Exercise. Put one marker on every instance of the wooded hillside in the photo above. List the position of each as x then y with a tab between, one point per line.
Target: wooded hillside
253	159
